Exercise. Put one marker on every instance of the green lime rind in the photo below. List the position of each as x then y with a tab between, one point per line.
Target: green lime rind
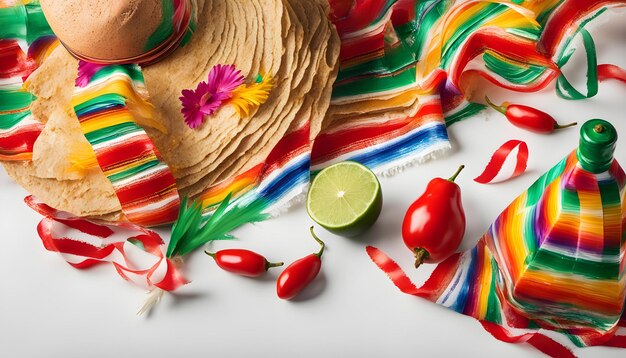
345	199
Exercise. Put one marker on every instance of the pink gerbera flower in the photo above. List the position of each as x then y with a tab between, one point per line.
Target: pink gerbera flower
210	95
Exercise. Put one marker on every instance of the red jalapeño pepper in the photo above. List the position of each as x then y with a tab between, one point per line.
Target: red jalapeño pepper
528	118
434	224
242	262
300	273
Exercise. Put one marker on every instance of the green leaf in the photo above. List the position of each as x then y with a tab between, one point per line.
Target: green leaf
191	231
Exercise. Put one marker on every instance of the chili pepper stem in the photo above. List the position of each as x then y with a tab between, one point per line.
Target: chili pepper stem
501	109
558	126
321	252
269	265
420	255
456	174
212	254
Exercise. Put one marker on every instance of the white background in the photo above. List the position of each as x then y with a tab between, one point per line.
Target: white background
49	309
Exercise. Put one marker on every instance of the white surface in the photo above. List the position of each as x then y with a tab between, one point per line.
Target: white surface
49	309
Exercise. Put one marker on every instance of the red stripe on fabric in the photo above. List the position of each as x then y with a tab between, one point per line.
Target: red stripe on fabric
499	157
563	19
469	77
145	187
611	72
362	47
616	341
165	215
505	44
122	153
20	142
327	146
361	14
13	61
540	341
290	146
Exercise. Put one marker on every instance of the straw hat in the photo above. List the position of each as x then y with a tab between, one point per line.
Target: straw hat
291	40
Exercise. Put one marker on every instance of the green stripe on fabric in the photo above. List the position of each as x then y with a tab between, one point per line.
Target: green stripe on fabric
111	133
493	301
529	33
133	170
8	121
133	71
13	20
376	84
37	24
469	110
549	261
611	199
15	100
535	191
102	101
464	31
518	73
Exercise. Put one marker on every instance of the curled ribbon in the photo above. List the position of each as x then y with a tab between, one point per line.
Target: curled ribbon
135	252
498	158
436	287
608	72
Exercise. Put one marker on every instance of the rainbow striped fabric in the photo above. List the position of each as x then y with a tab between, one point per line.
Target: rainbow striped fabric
554	259
25	41
395	53
143	183
415	61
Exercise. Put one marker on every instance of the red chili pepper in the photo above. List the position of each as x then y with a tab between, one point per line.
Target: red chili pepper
242	262
434	224
300	273
528	118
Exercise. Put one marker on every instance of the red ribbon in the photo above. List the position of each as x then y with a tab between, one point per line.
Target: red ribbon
497	161
611	72
540	341
135	252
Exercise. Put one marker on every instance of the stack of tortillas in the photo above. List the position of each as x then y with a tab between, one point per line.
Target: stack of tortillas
290	39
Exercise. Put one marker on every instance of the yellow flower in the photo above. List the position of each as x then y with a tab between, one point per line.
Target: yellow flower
246	99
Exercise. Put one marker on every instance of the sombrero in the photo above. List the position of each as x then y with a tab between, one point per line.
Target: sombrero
82	161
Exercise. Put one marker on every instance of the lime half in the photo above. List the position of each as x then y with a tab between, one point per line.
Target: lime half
345	198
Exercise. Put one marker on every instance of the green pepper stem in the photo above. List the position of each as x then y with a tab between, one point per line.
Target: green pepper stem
420	255
501	109
269	265
456	174
321	252
558	126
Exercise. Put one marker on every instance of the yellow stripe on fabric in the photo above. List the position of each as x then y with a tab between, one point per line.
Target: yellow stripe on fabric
106	120
591	218
513	19
132	164
485	285
513	225
122	86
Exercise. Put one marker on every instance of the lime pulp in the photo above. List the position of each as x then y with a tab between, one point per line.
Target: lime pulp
345	198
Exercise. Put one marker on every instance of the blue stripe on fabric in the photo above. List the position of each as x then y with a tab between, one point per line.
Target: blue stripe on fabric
415	143
461	300
291	176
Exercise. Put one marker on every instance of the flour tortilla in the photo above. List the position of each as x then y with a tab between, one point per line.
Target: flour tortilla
290	39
